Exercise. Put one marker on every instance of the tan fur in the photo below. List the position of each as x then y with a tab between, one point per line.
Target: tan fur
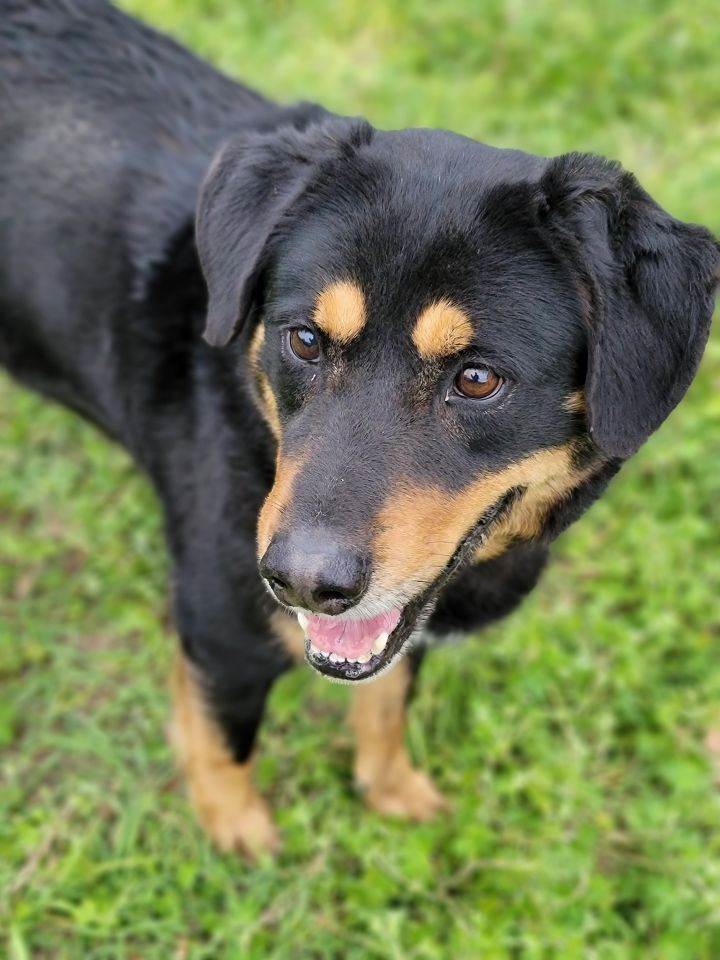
575	402
276	501
289	633
340	311
419	527
441	330
268	406
383	771
256	344
263	393
527	518
222	792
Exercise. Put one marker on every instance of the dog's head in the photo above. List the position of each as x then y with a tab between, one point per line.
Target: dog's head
455	347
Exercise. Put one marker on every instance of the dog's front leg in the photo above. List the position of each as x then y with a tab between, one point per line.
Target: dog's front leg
214	723
384	773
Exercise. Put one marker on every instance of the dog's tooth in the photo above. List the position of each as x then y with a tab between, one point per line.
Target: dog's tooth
334	658
302	620
380	643
364	658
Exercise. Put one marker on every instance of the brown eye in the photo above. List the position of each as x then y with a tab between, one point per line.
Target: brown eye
477	382
304	344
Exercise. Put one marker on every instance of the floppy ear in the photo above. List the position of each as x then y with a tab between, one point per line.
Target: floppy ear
247	194
650	283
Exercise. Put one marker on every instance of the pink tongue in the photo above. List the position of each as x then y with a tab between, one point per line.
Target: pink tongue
349	638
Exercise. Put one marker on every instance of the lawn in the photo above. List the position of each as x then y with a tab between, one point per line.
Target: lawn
572	737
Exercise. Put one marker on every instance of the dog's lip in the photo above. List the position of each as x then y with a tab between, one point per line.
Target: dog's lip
416	611
354	670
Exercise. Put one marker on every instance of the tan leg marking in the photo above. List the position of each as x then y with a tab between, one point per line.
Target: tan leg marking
222	791
441	330
383	771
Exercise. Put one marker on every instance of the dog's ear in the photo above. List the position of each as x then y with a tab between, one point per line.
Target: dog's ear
649	281
247	196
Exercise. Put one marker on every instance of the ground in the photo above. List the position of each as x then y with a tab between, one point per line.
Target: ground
573	737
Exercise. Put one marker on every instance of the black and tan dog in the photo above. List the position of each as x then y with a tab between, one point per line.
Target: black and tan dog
422	359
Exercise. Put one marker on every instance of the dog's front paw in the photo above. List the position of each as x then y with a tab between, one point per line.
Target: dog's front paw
409	794
236	823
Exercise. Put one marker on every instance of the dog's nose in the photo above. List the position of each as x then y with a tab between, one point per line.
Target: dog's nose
309	569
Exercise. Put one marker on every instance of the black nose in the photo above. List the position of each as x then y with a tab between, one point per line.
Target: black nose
311	570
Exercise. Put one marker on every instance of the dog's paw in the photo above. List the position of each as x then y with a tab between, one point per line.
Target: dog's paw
246	828
412	796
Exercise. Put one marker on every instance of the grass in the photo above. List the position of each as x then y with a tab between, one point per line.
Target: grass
572	737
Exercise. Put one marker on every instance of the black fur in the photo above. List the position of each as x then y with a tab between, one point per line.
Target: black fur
107	132
652	282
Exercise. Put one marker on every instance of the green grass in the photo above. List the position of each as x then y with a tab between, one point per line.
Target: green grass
572	737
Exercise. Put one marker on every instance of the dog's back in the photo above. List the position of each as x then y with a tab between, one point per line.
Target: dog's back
106	131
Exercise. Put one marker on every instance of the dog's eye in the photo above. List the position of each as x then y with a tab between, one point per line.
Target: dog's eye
478	382
304	344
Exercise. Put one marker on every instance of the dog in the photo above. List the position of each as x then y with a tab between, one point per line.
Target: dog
370	374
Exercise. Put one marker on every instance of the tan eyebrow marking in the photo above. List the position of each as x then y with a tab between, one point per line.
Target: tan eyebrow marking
340	311
441	330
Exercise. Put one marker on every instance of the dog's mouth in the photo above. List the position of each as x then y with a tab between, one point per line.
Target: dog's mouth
350	649
354	649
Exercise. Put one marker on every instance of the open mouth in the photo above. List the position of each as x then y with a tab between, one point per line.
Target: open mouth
344	648
350	649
